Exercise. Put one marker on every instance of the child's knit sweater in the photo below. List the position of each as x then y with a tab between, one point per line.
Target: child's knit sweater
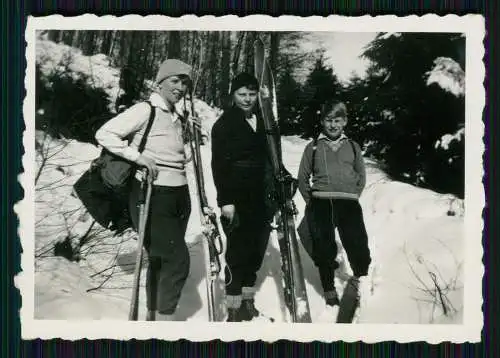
164	143
338	172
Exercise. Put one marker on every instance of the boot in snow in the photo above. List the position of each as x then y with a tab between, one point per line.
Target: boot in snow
250	311
331	308
236	315
332	298
248	306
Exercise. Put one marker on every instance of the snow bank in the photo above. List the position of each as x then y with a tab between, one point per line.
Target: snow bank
61	293
411	234
52	57
57	57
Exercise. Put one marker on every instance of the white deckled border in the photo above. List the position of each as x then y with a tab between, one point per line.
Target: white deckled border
470	331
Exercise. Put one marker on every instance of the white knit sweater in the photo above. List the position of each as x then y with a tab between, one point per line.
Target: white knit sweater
164	143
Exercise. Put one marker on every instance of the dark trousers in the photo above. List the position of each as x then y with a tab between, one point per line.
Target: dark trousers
168	255
347	216
246	246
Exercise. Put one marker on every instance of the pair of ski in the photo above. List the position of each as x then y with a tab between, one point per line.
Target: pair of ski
284	221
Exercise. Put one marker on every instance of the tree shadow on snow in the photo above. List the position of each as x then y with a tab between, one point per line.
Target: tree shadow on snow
126	261
272	267
311	274
190	302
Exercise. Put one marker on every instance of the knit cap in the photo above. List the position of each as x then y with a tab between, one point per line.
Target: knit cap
244	80
172	67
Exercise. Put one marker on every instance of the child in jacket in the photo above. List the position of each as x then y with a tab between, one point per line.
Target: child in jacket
335	164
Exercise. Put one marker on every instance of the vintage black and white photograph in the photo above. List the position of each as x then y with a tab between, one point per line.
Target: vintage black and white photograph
262	178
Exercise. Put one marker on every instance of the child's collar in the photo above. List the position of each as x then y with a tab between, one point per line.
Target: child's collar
340	138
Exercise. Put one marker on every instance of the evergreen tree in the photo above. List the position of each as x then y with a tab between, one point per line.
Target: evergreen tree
289	94
321	87
401	116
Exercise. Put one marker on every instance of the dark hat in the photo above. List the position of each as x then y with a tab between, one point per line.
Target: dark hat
244	80
172	67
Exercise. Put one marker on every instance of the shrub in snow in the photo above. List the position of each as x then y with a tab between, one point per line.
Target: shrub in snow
71	107
97	71
75	93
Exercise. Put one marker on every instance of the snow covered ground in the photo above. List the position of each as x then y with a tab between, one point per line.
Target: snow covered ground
417	240
414	233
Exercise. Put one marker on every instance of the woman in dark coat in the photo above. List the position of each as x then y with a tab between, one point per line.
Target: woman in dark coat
239	164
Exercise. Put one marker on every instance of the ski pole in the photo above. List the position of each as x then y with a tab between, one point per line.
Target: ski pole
143	218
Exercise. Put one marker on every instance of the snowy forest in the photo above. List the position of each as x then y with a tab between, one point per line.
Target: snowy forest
398	110
407	112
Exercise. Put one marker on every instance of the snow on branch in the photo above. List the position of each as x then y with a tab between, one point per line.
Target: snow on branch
389	34
448	75
447	139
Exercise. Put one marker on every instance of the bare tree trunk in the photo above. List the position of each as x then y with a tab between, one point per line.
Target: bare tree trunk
89	43
236	57
106	42
202	82
213	65
67	37
54	35
187	50
76	38
146	54
154	54
224	69
249	52
174	45
198	60
123	47
129	56
114	39
193	46
274	50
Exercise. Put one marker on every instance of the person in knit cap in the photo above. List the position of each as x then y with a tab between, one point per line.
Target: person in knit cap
336	165
165	158
239	164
